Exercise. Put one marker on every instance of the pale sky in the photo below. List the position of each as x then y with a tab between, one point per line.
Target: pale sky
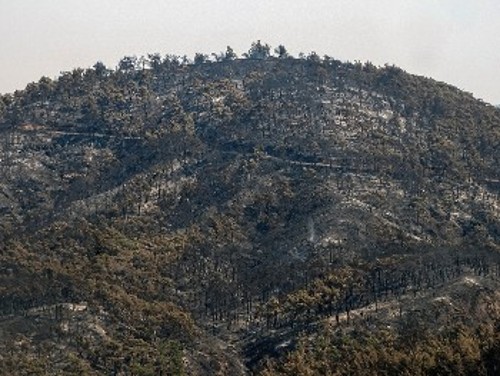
457	41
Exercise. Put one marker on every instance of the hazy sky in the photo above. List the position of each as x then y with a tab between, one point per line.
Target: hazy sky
456	41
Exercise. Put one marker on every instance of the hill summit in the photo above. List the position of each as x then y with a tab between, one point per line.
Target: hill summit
236	215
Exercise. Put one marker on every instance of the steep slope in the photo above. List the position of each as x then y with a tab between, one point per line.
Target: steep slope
223	201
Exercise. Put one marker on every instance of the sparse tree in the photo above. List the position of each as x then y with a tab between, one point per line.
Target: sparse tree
258	51
154	61
281	52
314	57
230	54
127	64
100	69
200	58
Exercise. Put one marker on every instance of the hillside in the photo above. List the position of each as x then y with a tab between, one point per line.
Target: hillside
262	215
